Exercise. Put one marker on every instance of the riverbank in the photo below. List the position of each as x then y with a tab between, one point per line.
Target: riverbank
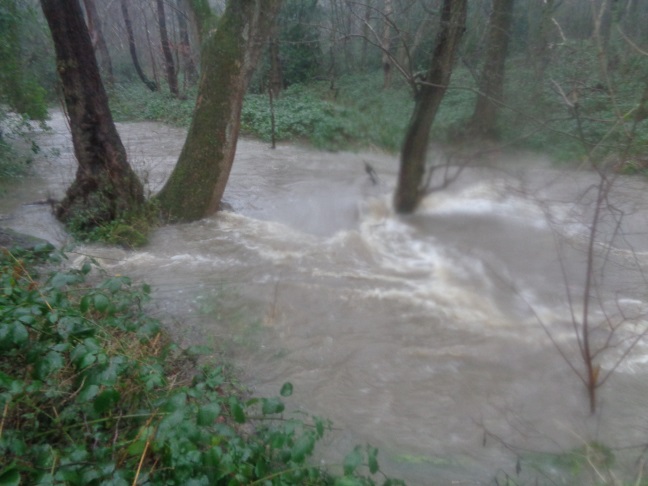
92	390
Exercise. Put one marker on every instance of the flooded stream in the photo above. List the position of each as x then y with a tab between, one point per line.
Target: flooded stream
414	334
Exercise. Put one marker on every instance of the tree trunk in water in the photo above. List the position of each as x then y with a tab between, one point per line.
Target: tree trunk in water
410	188
491	84
133	50
98	40
169	65
230	53
191	73
105	187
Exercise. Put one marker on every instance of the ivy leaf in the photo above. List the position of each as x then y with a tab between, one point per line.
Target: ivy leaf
84	305
88	393
272	405
106	400
237	411
101	303
286	389
352	460
208	414
19	334
85	269
9	477
50	363
372	458
303	447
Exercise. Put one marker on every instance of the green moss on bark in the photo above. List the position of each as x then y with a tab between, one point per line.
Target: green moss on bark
230	53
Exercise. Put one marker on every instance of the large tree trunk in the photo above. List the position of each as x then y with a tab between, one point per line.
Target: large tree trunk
133	49
105	187
410	188
491	84
169	65
229	56
98	40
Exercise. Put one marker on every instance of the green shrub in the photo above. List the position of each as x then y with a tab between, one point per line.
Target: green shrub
134	102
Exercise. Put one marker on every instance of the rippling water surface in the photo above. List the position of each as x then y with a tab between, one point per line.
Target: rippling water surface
412	333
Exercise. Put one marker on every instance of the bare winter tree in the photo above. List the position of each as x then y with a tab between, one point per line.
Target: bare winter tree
169	65
98	39
491	82
429	93
132	47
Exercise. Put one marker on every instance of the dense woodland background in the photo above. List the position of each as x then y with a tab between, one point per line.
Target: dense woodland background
342	71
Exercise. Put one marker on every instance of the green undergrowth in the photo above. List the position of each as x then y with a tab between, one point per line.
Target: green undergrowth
129	230
356	112
17	147
92	391
134	102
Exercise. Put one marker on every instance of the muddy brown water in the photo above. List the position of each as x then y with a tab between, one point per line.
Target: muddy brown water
412	333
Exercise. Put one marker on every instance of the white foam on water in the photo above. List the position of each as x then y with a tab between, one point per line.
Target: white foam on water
488	197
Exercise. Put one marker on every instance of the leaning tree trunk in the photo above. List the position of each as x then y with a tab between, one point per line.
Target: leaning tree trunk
169	65
230	53
105	187
491	84
98	39
410	188
133	49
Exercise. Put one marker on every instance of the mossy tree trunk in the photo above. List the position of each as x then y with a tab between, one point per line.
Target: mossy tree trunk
105	186
230	53
430	91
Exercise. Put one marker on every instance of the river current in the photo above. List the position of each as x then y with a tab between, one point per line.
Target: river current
416	334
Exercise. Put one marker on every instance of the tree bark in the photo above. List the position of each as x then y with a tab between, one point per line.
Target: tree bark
541	53
190	71
275	81
366	29
229	56
98	40
133	49
169	65
410	188
483	122
386	44
105	186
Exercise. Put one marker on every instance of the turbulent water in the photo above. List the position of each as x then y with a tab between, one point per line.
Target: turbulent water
416	334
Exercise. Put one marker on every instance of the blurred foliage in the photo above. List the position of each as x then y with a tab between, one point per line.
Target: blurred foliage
299	45
27	67
27	82
92	391
135	102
